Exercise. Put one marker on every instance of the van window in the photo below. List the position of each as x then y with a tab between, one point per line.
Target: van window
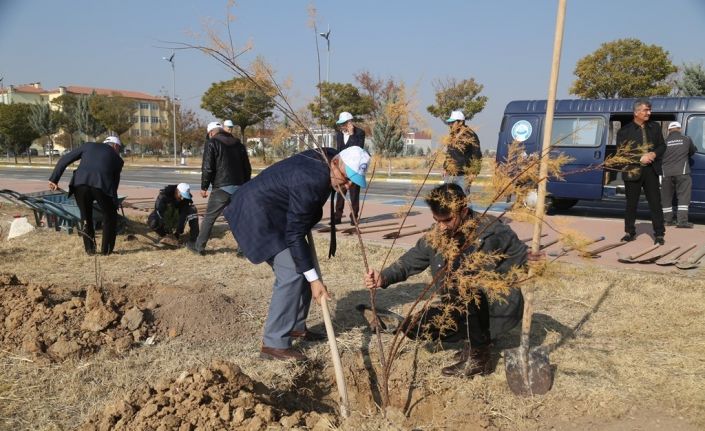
577	131
694	129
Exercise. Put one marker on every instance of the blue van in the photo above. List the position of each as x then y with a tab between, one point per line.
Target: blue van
586	130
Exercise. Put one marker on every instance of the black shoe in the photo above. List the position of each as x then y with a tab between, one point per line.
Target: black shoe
659	240
337	221
352	220
192	248
670	223
628	237
684	225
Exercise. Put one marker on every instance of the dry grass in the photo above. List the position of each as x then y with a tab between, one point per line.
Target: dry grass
623	340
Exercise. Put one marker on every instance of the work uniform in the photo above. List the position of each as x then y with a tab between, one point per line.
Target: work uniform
676	176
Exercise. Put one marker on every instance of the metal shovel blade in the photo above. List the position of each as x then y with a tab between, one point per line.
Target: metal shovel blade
532	377
675	260
693	261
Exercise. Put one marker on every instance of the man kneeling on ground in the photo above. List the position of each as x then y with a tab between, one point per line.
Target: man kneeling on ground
464	313
172	210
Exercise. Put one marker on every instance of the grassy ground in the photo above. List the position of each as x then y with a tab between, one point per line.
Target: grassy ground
625	344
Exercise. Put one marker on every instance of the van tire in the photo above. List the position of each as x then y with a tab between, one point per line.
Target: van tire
557	204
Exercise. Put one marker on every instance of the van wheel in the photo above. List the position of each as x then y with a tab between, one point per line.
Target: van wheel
562	204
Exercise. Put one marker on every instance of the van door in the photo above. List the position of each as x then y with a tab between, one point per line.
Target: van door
695	127
521	128
583	138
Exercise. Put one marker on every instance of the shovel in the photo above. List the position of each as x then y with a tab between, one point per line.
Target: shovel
596	252
393	235
674	260
692	262
653	259
565	250
633	258
384	229
332	343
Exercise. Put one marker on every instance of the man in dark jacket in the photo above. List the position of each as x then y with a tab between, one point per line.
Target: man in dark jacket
642	141
463	154
172	210
270	217
675	168
347	136
96	179
461	315
226	166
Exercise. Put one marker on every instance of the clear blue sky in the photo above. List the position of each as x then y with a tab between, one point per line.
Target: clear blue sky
504	45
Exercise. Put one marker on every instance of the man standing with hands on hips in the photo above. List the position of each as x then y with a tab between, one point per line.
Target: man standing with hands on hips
270	217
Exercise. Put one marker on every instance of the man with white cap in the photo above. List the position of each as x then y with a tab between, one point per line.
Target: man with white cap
676	178
463	154
172	210
348	135
270	217
228	126
225	167
96	179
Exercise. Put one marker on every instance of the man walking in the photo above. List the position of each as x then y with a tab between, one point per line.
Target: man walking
96	179
348	135
463	154
676	175
270	217
172	210
457	317
225	167
642	141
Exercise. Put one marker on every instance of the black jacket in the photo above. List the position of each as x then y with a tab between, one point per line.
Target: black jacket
166	199
463	156
357	139
225	162
279	207
631	135
496	237
100	168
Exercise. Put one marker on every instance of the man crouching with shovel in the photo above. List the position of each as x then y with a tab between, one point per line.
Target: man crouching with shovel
456	318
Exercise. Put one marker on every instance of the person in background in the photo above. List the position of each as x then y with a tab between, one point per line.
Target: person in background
463	154
675	168
228	126
96	179
348	135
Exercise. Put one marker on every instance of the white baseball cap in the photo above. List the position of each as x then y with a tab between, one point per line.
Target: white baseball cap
213	125
344	117
674	125
356	161
184	190
112	140
229	124
455	116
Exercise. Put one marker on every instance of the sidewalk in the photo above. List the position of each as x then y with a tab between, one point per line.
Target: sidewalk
592	227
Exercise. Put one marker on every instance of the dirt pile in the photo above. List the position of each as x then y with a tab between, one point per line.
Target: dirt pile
219	396
53	324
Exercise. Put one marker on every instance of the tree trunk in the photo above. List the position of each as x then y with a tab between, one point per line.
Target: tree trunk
389	170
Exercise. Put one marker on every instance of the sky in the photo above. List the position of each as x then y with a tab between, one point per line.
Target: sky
505	45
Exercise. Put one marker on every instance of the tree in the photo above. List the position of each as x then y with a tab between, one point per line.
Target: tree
66	115
336	98
390	126
452	95
190	130
623	68
240	100
85	121
692	81
115	113
14	125
377	90
43	121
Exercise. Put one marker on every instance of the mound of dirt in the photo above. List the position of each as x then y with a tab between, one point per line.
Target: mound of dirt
54	324
219	396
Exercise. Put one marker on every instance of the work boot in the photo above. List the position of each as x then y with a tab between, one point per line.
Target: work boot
684	225
659	240
477	363
462	354
628	237
670	222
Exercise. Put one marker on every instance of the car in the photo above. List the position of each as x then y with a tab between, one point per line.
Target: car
55	152
186	153
32	152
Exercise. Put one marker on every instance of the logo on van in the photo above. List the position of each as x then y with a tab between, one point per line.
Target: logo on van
521	130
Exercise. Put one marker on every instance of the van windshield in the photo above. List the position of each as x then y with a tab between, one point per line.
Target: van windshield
694	129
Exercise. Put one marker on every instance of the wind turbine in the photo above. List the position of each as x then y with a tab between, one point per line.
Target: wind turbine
326	36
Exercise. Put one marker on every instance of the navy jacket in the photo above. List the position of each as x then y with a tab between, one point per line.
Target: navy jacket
276	209
100	168
357	139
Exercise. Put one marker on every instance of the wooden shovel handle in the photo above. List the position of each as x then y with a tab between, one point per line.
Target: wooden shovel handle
643	252
679	255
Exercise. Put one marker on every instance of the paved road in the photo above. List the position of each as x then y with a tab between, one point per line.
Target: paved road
381	191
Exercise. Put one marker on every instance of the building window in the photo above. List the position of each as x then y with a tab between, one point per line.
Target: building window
155	106
144	119
135	132
144	105
155	120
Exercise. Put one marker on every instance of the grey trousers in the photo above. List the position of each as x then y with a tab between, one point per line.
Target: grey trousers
217	202
291	300
681	185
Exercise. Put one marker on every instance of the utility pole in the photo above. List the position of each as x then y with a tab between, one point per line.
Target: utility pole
173	97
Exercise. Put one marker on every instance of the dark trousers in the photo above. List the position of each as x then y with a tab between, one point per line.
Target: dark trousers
681	185
217	202
85	195
354	193
187	214
649	182
472	324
